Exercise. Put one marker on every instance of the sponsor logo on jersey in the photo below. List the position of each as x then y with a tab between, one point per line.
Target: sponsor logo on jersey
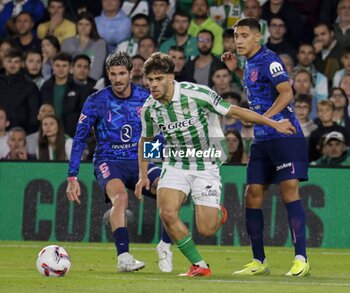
126	133
276	69
254	75
177	125
124	146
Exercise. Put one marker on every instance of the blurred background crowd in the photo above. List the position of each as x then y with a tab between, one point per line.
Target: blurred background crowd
52	56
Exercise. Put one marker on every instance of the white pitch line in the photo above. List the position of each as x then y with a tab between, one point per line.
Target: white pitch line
234	281
111	247
248	282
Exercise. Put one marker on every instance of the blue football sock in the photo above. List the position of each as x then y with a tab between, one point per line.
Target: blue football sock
165	236
121	240
255	228
296	218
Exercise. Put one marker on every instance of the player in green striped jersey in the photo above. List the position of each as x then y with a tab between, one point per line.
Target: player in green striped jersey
188	116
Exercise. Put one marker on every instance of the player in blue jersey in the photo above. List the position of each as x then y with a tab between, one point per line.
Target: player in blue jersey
114	113
275	158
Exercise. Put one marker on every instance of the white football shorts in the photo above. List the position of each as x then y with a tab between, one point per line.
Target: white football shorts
205	186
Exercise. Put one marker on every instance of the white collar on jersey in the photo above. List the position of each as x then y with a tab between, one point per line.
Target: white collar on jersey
176	95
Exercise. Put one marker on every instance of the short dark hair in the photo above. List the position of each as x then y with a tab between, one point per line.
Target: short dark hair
154	41
308	45
303	98
232	95
228	33
206	2
167	1
250	22
24	13
221	66
346	51
177	49
327	25
138	56
140	16
120	58
181	13
14	53
160	63
63	2
62	56
81	56
33	51
276	16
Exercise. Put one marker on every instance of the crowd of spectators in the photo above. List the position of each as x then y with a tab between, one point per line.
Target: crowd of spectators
52	55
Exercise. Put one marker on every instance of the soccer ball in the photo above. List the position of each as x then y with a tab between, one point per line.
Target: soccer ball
53	261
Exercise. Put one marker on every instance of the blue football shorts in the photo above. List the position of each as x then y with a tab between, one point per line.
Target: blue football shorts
125	170
278	160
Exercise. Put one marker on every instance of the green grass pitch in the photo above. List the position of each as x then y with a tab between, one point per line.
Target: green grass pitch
94	270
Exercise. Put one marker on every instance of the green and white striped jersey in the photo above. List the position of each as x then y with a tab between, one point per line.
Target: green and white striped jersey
190	125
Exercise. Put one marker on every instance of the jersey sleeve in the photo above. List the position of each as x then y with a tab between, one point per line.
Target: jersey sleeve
87	119
149	127
274	69
216	104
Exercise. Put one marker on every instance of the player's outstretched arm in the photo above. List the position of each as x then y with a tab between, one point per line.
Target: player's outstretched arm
73	190
283	100
283	126
143	168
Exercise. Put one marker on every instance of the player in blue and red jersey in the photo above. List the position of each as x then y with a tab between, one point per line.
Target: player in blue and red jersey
275	158
114	113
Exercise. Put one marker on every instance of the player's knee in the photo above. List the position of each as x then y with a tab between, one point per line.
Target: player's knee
252	198
290	194
168	216
119	200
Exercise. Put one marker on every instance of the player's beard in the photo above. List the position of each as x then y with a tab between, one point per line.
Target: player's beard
205	51
200	16
121	88
182	33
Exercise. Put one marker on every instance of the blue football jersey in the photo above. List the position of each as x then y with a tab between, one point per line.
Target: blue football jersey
117	126
262	73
